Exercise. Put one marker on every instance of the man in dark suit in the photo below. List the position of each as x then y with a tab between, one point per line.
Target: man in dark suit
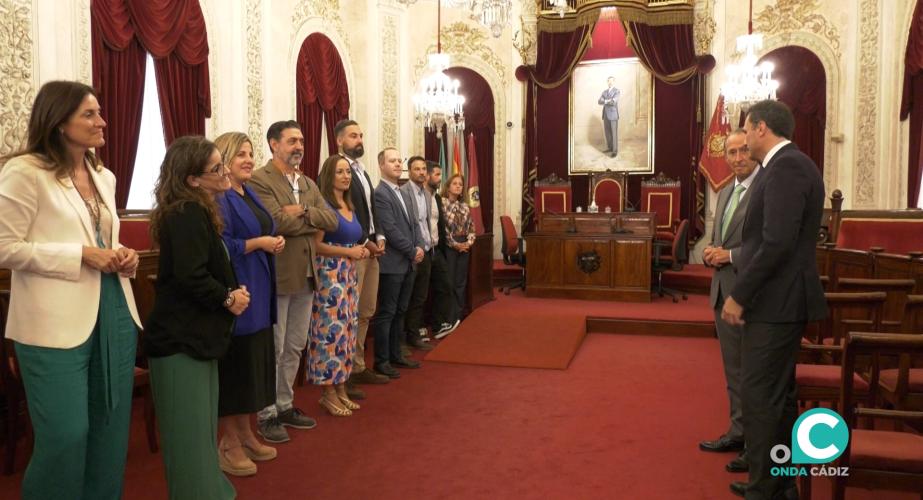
349	140
441	285
425	210
726	241
403	250
609	100
777	292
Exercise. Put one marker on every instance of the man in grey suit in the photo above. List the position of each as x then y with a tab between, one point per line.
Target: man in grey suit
426	210
726	241
397	216
609	100
778	290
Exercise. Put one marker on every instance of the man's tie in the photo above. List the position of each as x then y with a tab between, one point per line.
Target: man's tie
732	206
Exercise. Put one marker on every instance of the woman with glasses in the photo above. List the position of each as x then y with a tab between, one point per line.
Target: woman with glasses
72	315
247	373
198	298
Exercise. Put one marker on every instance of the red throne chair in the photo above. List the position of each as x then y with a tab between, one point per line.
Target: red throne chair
553	195
661	195
608	189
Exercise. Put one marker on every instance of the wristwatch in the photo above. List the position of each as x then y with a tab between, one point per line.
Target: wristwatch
229	300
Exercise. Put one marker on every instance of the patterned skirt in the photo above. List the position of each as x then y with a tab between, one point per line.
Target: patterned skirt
334	321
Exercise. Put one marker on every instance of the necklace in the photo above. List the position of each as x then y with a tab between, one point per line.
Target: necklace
91	203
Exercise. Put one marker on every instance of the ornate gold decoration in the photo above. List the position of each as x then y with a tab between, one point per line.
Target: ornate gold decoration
867	109
797	15
524	41
85	70
255	77
650	12
389	67
328	10
703	28
16	93
461	38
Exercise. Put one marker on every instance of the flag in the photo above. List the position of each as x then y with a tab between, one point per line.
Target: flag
711	162
463	164
456	156
442	162
474	194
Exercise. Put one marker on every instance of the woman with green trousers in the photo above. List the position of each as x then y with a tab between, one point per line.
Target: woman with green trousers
72	313
189	329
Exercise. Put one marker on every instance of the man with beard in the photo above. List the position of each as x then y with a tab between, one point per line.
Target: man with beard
425	211
298	210
349	140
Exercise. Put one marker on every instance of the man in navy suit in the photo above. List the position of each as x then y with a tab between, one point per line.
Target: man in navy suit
397	216
778	290
609	100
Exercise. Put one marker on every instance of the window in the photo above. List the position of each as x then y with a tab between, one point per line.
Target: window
151	145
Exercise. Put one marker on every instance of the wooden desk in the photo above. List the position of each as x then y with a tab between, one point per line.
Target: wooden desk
591	256
480	272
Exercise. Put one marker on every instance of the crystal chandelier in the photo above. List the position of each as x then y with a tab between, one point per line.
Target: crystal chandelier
494	14
437	101
746	82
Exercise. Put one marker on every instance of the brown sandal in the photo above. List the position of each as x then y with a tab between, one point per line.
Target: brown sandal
333	409
348	403
239	469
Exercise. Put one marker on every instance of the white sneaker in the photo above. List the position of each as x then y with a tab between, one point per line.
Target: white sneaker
423	333
446	329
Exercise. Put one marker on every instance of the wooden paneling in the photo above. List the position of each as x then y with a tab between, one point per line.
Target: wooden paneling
632	264
649	327
481	272
597	250
543	261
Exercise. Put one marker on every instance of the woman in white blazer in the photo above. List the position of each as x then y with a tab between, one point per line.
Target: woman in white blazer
72	313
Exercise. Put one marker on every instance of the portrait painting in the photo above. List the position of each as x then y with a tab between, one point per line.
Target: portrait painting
612	117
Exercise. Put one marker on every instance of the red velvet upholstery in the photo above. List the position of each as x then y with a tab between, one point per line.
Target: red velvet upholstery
553	199
135	233
888	379
608	193
661	195
825	376
510	238
886	450
898	236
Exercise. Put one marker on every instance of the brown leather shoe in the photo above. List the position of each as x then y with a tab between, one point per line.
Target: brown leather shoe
354	392
368	377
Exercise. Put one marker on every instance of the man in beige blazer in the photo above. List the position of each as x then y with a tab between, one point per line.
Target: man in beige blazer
299	211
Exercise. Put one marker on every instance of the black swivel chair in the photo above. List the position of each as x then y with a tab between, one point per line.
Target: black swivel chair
672	262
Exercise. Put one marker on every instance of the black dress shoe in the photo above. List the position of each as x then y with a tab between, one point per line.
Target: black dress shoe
405	363
387	370
721	445
739	464
417	343
739	488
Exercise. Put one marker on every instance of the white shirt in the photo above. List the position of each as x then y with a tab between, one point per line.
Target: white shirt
775	149
397	192
366	189
420	194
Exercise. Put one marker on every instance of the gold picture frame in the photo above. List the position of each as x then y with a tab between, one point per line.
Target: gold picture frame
588	145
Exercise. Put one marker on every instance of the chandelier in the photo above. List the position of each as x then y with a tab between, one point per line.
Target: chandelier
437	101
559	6
747	82
494	14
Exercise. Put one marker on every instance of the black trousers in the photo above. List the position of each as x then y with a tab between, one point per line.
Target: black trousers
769	400
442	292
388	323
457	263
414	320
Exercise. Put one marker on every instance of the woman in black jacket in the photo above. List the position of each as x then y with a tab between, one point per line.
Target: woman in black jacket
190	327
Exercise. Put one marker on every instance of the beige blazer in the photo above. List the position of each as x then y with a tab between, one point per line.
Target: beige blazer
296	262
44	226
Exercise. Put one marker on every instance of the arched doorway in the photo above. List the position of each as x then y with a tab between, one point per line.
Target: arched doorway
803	87
321	97
479	120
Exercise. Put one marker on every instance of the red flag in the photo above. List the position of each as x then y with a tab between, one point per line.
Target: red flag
474	194
456	156
711	162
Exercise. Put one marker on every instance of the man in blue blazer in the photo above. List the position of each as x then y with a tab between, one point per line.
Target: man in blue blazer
403	250
778	290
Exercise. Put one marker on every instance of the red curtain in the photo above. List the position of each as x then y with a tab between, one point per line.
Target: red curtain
322	95
803	87
123	31
912	103
479	120
546	109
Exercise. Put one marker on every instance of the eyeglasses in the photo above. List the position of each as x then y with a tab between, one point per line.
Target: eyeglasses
218	169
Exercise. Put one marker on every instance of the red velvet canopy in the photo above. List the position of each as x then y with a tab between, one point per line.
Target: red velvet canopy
322	95
912	103
123	32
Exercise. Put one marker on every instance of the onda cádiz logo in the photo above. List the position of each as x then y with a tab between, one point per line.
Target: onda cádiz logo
819	437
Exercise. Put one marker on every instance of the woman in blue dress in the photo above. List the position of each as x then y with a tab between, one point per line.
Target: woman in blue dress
334	315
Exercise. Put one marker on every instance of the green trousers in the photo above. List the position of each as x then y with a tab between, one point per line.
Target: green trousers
186	402
80	405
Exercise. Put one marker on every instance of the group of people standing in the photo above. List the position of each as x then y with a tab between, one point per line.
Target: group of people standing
256	266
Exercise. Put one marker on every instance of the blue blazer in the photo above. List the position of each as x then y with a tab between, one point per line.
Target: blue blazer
401	235
256	269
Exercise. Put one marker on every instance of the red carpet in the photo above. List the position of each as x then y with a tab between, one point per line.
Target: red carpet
518	331
622	421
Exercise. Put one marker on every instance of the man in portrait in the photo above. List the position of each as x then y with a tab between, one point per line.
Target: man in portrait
609	100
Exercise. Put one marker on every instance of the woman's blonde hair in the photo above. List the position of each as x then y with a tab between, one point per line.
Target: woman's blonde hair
229	144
